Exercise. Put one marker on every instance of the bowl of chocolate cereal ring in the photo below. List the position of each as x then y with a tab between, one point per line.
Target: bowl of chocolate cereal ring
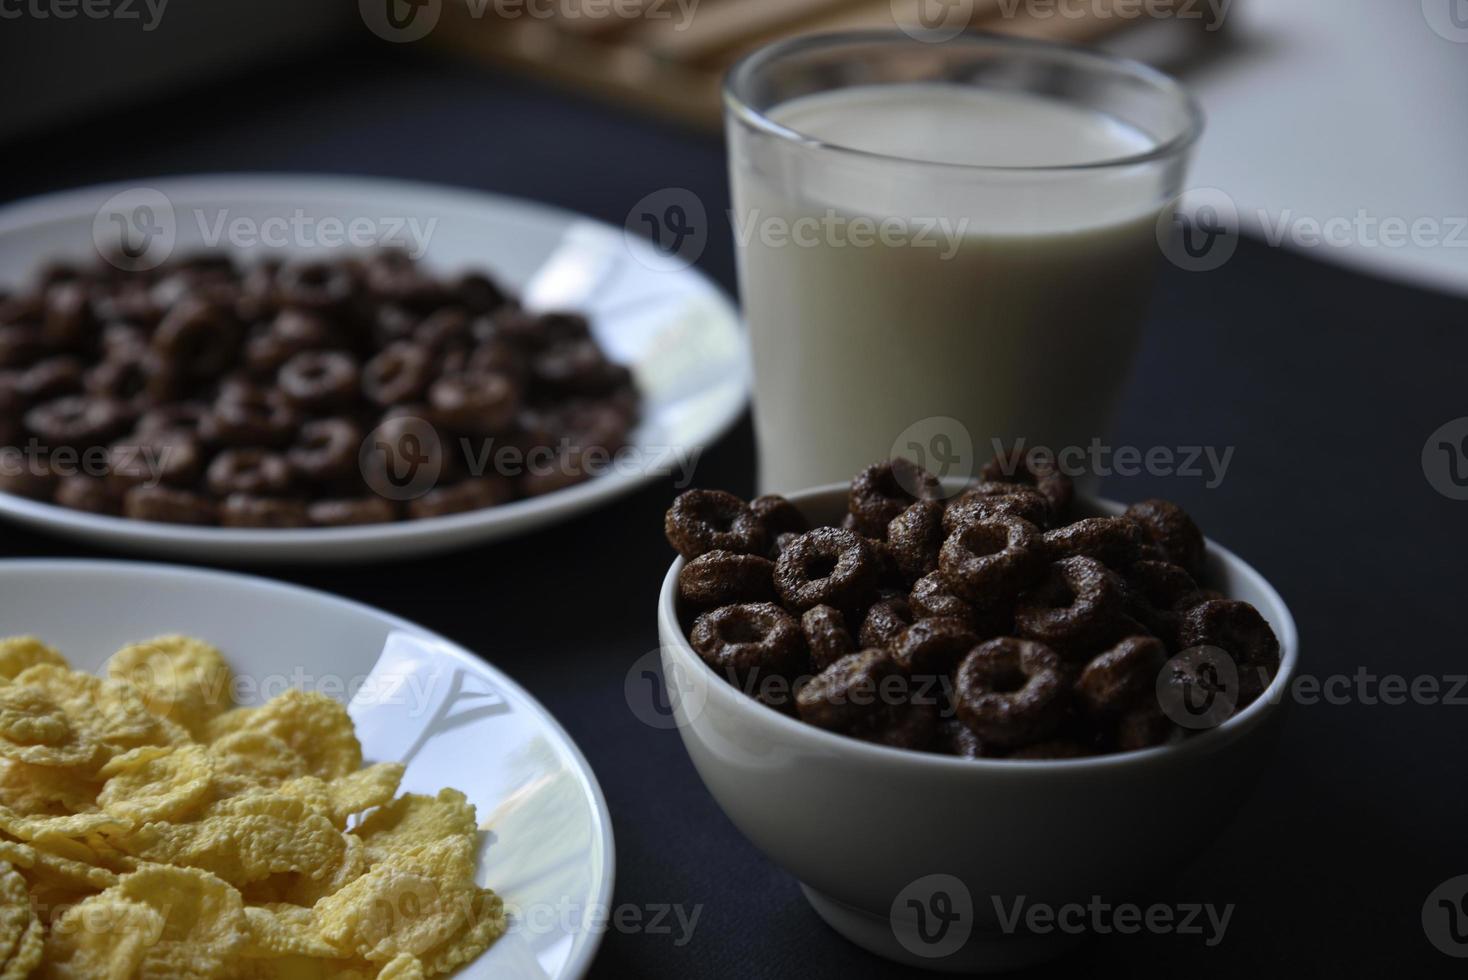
931	699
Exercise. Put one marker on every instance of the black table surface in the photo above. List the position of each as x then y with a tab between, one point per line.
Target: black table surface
1325	383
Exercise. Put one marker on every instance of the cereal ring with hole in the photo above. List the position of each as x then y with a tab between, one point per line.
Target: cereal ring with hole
701	521
319	380
1238	629
249	416
933	646
914	538
166	504
827	566
1011	692
987	499
351	512
932	596
478	405
88	493
1121	677
315	286
884	622
399	373
1078	606
159	457
326	449
1170	528
778	516
197	339
1033	468
248	510
475	493
826	635
50	378
177	417
1113	541
721	578
137	377
749	640
883	490
990	561
255	472
77	421
866	695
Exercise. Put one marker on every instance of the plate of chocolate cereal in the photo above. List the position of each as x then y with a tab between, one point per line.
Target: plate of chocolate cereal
243	368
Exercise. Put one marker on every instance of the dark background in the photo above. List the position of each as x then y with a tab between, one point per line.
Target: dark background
1325	382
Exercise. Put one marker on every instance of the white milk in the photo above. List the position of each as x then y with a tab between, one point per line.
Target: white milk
1011	301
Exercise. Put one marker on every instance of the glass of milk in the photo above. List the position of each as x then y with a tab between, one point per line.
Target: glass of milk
946	246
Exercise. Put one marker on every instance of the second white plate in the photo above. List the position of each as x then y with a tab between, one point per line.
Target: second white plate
675	329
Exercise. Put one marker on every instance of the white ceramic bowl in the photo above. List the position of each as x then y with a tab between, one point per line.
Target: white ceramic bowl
887	842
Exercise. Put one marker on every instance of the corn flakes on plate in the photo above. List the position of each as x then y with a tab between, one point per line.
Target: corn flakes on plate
206	775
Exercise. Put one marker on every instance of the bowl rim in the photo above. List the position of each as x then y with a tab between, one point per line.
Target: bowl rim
1268	703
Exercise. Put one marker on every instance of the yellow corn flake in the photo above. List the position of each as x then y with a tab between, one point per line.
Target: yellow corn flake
47	866
111	712
280	929
72	825
181	678
45	790
412	822
402	967
15	910
413	904
35	729
19	652
485	922
247	760
102	936
314	726
244	839
306	892
28	951
352	794
150	784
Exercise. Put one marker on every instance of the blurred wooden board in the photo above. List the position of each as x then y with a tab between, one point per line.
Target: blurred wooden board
670	56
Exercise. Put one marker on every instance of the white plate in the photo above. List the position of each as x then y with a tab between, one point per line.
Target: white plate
549	851
675	329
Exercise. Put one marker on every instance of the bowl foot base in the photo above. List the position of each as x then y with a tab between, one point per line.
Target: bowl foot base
982	952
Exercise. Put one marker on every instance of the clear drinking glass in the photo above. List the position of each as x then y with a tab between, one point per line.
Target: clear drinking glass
944	246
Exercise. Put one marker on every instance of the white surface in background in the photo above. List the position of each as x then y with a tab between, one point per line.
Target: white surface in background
1326	108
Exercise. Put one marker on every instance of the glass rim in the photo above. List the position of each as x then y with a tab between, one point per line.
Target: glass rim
740	76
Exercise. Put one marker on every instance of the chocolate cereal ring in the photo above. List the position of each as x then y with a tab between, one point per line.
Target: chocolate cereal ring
319	380
1121	677
1079	604
76	420
826	635
471	494
1011	692
351	512
326	449
1240	631
719	578
701	521
987	499
914	538
1170	528
867	696
883	490
252	472
989	561
88	493
247	416
168	505
748	640
1036	469
932	596
1113	541
827	566
933	646
479	405
778	516
197	339
885	621
248	510
400	373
